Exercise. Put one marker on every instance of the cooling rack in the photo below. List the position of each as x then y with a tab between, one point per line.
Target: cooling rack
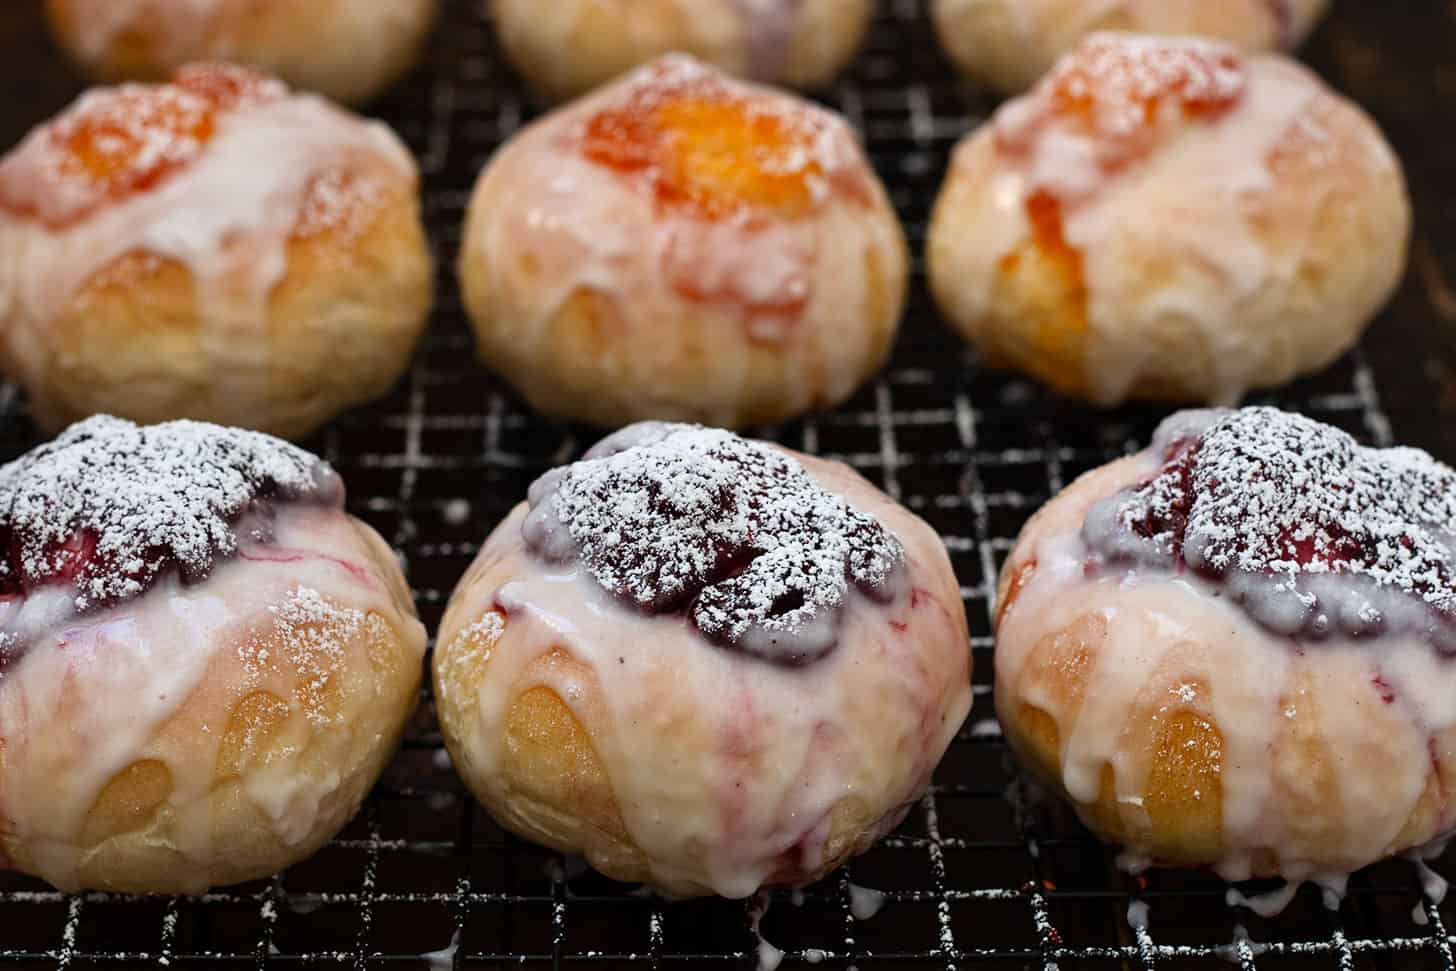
982	874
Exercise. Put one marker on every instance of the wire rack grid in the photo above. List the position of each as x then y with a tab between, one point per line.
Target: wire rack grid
423	878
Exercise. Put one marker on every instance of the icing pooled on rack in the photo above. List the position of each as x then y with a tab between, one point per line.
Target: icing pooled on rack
1312	533
109	507
733	532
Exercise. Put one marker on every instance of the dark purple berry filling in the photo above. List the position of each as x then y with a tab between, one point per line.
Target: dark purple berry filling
1311	533
733	533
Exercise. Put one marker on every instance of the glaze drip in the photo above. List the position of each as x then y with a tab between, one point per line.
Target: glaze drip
678	518
1311	533
109	507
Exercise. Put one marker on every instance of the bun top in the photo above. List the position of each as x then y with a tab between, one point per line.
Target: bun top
734	533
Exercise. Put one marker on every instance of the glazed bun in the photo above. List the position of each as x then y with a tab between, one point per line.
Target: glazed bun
212	248
1167	218
683	246
1009	44
347	50
1234	649
205	663
704	663
566	47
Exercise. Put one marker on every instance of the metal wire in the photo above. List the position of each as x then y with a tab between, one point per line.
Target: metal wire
974	878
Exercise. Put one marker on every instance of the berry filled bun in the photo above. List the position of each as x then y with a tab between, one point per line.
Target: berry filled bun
681	245
566	47
204	661
1168	218
1235	649
705	663
349	50
1008	44
212	248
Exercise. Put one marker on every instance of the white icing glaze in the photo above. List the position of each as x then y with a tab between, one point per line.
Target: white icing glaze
548	225
720	763
1383	709
1308	531
752	38
226	216
865	902
112	678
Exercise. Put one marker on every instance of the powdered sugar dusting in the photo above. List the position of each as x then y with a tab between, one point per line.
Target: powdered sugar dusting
1120	78
1313	533
109	506
114	142
766	147
735	533
1123	92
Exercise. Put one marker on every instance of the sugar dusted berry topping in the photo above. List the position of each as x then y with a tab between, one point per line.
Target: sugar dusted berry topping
116	142
1122	91
1311	532
109	507
706	144
735	533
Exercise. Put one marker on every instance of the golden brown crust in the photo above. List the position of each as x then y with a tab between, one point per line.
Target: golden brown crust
340	327
346	49
561	794
573	46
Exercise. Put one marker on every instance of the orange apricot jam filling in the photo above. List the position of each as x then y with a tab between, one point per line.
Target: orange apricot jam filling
119	142
1127	92
711	149
1062	335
